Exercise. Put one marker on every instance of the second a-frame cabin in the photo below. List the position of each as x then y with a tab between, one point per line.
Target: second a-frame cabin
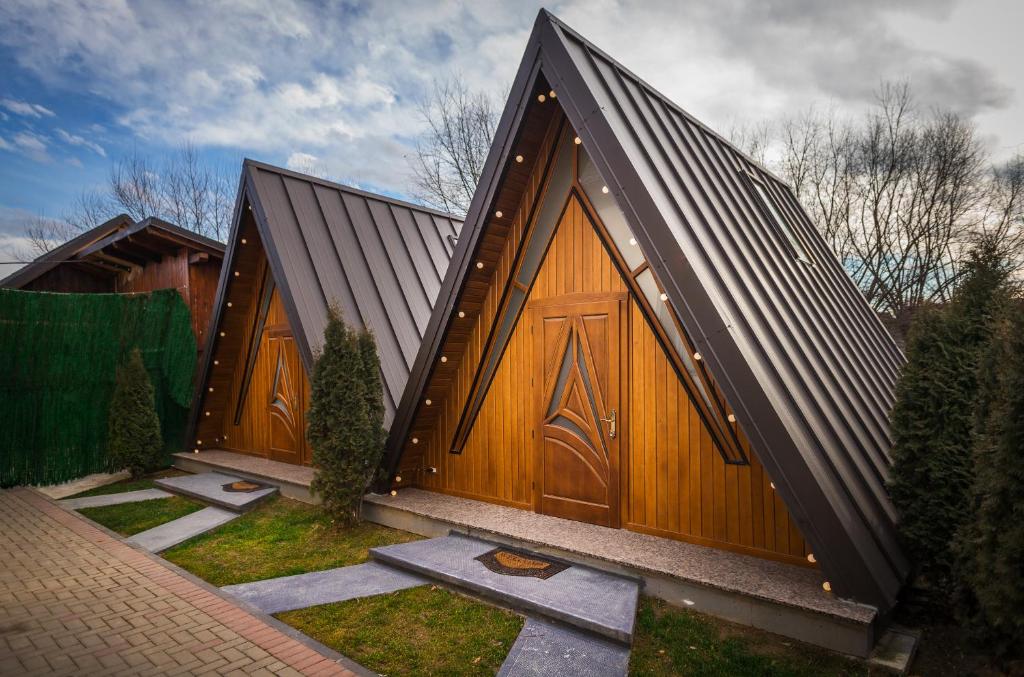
642	329
299	244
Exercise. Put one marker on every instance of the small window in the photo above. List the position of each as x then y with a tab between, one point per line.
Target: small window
781	224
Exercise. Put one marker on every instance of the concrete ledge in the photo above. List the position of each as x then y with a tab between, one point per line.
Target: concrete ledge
250	468
853	634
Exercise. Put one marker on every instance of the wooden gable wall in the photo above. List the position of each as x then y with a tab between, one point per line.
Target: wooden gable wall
673	480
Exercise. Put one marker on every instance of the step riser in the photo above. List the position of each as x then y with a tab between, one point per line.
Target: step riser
195	464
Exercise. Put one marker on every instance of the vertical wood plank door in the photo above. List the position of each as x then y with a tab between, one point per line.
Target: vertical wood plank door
285	401
577	389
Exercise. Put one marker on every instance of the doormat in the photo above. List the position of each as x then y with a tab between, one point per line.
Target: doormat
512	563
243	487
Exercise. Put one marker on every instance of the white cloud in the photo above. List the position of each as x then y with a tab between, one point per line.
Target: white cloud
75	140
26	109
30	145
298	161
341	80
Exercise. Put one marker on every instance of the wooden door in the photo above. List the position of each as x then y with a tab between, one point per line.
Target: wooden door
577	389
285	401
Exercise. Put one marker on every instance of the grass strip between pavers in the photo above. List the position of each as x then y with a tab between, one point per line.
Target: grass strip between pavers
425	630
129	519
279	537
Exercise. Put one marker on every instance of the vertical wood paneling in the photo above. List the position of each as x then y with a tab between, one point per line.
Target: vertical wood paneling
674	480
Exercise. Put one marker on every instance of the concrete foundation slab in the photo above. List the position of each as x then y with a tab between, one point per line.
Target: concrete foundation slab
180	530
586	598
544	648
895	650
114	499
781	598
324	587
291	480
209	487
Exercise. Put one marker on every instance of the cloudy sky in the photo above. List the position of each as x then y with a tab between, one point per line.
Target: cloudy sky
335	84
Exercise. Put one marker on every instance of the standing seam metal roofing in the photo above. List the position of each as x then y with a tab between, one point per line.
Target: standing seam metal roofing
380	259
806	365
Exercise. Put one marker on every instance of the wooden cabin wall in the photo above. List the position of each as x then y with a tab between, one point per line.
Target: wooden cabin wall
673	482
202	292
68	279
252	434
170	272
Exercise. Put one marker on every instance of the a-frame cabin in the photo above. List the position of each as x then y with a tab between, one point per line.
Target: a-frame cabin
297	245
641	328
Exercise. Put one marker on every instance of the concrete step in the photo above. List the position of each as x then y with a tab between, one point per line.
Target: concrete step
209	488
177	531
585	598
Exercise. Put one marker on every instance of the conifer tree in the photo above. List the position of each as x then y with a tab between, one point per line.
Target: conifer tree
933	418
345	418
991	544
134	440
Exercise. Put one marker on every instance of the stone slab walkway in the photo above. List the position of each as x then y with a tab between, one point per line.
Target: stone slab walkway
114	499
170	534
323	587
544	648
74	599
580	596
209	487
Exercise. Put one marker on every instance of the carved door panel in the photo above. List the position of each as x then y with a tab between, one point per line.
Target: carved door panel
577	392
285	399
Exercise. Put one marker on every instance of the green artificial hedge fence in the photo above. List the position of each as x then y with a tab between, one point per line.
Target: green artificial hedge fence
60	354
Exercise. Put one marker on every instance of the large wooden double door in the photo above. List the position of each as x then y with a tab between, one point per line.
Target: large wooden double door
578	386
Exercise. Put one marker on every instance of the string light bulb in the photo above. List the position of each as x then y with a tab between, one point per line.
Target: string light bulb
243	239
498	214
398	478
216	362
211	389
207	413
632	241
461	314
230	304
541	98
480	265
604	189
223	334
428	402
444	359
577	140
772	485
415	440
826	586
811	558
394	493
552	94
195	451
519	158
237	273
664	296
732	418
697	357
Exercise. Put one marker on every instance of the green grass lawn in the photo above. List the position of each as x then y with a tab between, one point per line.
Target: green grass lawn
673	641
420	631
280	537
145	482
128	519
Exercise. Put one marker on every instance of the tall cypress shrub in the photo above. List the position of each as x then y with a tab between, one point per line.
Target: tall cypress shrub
345	419
134	438
991	544
933	418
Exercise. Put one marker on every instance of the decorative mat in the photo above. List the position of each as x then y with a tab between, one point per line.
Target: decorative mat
512	563
244	487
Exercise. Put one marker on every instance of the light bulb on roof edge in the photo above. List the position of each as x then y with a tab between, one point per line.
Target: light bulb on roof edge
498	214
826	586
479	265
664	297
519	158
462	314
604	189
552	94
732	418
444	359
632	241
541	98
577	140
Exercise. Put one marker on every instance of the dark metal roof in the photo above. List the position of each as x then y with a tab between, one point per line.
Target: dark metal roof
111	236
801	358
380	259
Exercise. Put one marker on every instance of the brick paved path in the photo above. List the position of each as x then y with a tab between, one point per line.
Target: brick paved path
74	600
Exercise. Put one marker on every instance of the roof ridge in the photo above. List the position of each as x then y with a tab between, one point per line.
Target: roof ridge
249	162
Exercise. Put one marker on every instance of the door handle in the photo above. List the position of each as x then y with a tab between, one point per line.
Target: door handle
611	424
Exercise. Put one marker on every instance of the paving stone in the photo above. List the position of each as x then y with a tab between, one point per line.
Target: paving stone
580	596
544	648
324	587
177	531
166	610
114	499
209	487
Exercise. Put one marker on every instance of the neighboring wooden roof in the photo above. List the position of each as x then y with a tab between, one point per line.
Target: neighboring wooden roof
116	242
380	259
798	353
